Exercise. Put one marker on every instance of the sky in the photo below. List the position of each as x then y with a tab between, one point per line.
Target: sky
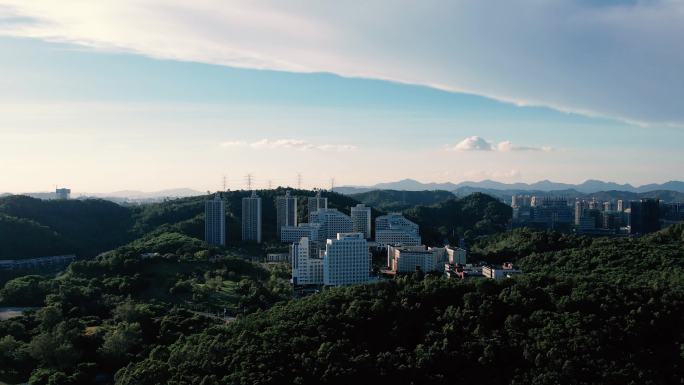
150	95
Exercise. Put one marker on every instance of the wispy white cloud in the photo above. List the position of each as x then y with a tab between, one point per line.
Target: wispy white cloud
476	143
621	60
473	143
290	144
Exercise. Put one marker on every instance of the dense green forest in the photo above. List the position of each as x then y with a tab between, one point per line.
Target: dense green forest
394	200
469	217
51	227
587	310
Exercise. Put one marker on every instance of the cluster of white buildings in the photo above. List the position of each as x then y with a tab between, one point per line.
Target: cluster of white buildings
333	248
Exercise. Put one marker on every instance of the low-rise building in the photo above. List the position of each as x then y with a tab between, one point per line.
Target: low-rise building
505	271
407	259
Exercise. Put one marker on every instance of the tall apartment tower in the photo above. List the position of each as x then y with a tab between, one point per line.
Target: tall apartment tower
346	260
316	203
251	218
306	270
644	216
215	221
361	217
286	207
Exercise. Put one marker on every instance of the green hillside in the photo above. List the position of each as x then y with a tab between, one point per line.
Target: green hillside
18	239
393	200
86	226
468	217
556	324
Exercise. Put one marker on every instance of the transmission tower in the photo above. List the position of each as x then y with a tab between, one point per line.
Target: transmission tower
249	178
299	181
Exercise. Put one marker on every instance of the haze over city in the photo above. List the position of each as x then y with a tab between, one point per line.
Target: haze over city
150	96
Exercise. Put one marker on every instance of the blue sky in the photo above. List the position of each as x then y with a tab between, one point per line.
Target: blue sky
88	106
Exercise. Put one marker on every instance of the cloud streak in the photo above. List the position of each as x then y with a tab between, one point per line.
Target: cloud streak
289	144
476	143
618	60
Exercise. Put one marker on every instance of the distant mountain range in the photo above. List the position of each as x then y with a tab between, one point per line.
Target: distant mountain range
587	187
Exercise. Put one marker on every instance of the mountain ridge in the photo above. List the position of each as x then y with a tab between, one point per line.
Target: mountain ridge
587	187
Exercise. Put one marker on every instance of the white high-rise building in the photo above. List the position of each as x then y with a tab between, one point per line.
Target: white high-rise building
215	221
62	193
286	211
332	222
394	229
306	269
361	218
407	259
346	260
251	218
316	203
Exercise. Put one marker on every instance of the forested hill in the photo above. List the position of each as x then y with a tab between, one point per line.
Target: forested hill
587	313
468	217
394	200
32	227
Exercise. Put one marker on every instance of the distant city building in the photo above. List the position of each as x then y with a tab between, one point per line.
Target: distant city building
518	201
644	216
505	271
215	221
332	222
346	260
361	218
407	259
306	269
286	211
63	193
316	203
251	218
621	205
553	212
394	229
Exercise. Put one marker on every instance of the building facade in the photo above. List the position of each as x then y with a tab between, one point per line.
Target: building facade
286	211
306	269
408	259
332	222
644	216
291	234
394	229
316	203
346	260
251	218
62	193
361	220
215	221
